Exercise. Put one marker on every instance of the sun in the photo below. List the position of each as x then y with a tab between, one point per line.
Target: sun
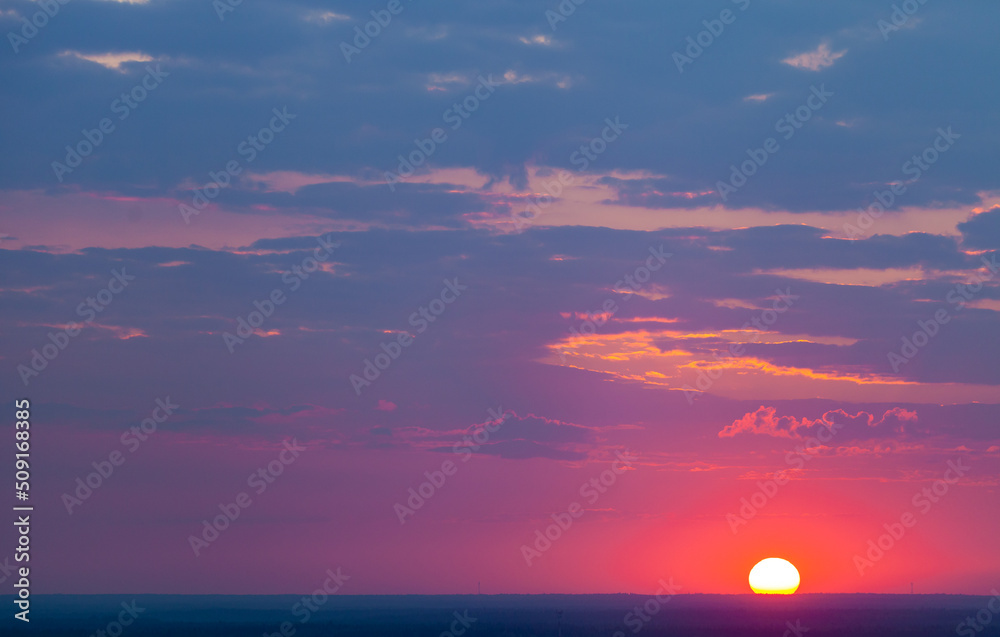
774	576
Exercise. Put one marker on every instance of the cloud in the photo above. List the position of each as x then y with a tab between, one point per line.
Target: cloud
325	17
555	98
543	430
765	422
521	438
982	231
541	39
527	449
816	60
111	61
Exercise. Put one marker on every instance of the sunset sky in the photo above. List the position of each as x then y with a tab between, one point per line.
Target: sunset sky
709	282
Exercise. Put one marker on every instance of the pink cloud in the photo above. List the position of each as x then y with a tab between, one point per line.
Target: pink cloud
765	421
816	60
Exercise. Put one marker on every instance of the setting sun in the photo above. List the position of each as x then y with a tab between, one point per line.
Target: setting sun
774	576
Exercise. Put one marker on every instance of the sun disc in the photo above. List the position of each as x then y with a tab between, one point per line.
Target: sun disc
774	576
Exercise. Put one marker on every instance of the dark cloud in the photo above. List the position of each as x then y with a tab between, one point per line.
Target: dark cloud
607	60
525	449
982	232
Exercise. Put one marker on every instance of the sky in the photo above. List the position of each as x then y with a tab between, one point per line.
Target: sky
534	296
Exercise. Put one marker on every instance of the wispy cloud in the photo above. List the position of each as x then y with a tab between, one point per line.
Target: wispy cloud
111	61
816	60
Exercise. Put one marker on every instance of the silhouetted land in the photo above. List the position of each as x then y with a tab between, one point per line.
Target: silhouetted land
509	615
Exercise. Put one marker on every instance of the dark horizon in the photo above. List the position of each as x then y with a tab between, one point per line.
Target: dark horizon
497	615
